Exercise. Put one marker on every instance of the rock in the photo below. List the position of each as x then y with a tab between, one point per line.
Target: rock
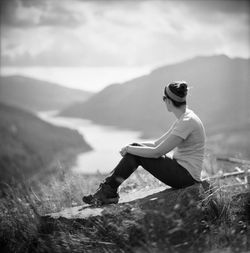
163	196
171	198
158	215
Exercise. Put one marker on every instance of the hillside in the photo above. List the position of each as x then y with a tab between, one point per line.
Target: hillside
36	95
219	94
29	144
149	217
231	141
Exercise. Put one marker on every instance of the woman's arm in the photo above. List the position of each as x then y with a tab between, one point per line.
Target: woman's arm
148	143
158	141
162	138
168	144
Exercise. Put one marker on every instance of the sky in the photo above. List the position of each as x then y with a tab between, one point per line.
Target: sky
129	36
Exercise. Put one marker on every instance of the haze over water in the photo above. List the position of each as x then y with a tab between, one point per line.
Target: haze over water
85	78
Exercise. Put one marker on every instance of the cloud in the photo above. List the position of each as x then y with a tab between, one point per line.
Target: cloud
35	13
104	33
70	12
220	6
14	14
64	49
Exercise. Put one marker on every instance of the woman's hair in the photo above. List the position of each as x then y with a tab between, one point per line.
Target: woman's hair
177	92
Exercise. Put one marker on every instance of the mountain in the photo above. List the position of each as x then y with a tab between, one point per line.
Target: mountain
36	95
29	144
219	94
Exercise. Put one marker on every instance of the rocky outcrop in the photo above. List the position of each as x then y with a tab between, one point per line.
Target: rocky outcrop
144	200
168	217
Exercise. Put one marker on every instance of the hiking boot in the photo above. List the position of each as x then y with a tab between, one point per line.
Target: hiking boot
104	195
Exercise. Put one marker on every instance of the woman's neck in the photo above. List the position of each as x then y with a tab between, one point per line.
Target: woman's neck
178	112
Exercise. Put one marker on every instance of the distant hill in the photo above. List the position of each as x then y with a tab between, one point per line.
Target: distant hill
29	144
36	95
231	142
219	94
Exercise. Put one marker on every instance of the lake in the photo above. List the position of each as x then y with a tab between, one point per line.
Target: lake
105	141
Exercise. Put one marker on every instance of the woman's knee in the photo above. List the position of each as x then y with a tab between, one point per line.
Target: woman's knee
131	158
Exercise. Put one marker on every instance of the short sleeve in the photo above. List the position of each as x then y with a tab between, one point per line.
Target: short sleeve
183	128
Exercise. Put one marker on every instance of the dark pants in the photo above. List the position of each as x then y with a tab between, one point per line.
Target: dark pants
164	168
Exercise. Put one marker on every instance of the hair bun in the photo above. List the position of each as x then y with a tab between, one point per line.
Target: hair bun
179	88
183	88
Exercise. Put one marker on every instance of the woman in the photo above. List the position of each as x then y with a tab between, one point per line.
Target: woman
186	136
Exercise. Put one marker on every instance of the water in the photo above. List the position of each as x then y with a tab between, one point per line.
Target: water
105	141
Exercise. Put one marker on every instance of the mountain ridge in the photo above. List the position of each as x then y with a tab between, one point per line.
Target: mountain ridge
216	81
38	95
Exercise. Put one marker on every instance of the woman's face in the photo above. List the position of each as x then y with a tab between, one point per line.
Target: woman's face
169	104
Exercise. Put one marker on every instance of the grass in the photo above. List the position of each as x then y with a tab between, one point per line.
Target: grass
216	223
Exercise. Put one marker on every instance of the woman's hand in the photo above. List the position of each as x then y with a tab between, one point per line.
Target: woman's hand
123	151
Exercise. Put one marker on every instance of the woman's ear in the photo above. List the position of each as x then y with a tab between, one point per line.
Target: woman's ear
169	101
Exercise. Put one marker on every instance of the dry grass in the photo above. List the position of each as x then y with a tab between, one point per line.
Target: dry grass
220	224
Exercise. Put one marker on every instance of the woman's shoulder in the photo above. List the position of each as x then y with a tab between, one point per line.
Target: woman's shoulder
190	114
192	118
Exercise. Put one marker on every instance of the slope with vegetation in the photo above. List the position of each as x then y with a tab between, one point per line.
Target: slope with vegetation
209	223
29	144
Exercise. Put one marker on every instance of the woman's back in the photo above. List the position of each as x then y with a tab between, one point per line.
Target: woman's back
190	152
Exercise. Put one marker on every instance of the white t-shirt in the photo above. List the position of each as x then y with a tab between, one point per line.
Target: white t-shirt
190	153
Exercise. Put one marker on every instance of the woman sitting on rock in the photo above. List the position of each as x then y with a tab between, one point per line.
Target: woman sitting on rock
186	137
